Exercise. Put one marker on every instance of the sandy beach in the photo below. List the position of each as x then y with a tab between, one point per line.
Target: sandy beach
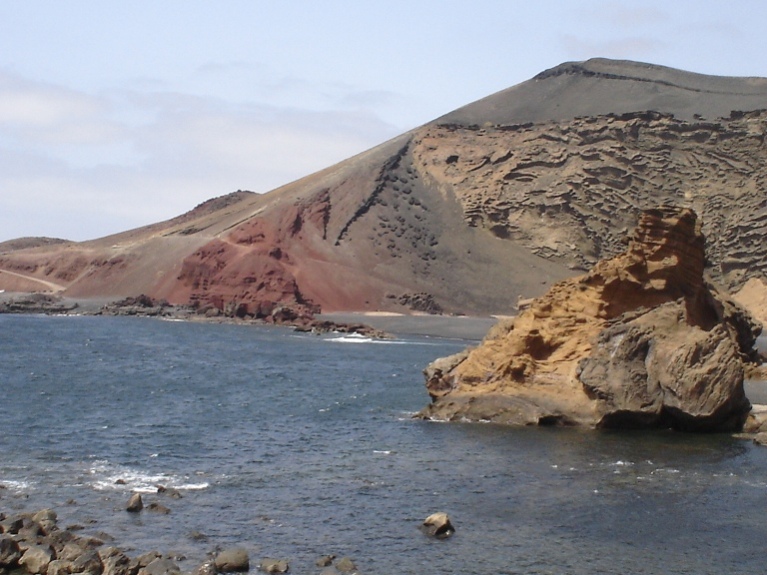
451	327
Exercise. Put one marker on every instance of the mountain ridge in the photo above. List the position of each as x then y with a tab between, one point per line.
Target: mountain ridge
484	205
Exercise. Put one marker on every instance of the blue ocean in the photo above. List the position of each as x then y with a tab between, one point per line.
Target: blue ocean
296	445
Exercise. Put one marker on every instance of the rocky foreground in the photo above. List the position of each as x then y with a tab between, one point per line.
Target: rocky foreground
34	544
642	340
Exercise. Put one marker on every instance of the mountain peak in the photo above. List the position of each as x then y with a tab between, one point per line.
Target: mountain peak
601	86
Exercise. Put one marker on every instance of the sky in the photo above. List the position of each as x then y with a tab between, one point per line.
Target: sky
117	115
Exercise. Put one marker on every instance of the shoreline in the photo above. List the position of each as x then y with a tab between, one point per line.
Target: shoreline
374	324
443	326
33	543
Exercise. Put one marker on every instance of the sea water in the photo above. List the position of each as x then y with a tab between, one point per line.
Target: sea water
296	446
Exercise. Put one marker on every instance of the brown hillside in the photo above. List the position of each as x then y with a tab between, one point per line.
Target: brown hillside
466	214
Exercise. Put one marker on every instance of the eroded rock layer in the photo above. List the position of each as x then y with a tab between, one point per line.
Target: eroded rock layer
466	214
640	340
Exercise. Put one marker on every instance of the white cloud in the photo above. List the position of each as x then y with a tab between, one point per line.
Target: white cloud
79	166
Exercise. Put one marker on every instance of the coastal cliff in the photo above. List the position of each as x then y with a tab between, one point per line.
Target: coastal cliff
466	214
641	340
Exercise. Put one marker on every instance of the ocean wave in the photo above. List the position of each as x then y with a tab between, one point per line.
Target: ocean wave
16	485
351	338
359	338
108	476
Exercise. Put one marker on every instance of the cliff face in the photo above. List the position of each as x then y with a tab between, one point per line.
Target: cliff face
493	202
640	340
569	191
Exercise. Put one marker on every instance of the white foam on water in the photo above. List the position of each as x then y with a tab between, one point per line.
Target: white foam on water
107	476
16	485
351	338
359	338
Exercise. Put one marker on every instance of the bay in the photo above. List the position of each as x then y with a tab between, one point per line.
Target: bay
297	445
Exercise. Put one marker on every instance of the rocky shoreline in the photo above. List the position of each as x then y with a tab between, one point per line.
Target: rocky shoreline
35	544
145	306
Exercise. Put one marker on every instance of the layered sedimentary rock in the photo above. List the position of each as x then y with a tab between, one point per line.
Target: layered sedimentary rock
465	214
642	340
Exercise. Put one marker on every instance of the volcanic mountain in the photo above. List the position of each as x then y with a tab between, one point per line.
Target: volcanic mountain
466	214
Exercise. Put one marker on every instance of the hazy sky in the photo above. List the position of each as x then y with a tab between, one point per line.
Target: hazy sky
115	115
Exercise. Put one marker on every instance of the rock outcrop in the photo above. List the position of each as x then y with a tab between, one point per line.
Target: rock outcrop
465	214
642	340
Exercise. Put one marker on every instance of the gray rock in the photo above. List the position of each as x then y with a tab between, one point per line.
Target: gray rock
135	503
658	369
36	559
324	561
438	525
70	551
169	492
9	551
45	515
115	562
346	565
233	559
31	530
160	566
206	568
46	518
89	563
274	566
59	567
157	508
142	561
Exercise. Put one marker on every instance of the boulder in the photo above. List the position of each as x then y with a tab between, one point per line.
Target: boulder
46	518
89	563
70	551
36	559
206	568
438	525
346	565
274	566
160	566
231	560
171	492
642	340
115	562
155	507
324	560
9	551
142	561
135	503
59	567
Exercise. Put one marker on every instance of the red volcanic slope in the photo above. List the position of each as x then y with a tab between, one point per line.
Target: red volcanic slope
490	203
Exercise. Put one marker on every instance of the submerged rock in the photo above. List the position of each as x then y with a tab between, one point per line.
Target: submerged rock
274	566
642	340
231	560
135	503
438	525
346	565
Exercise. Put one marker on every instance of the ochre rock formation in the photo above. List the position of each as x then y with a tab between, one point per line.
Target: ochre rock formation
642	340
